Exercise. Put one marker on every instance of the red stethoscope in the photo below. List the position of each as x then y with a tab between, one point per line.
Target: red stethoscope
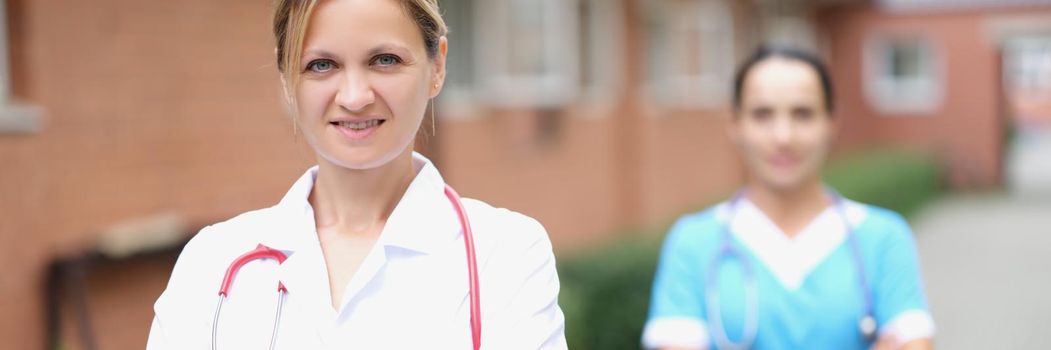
264	252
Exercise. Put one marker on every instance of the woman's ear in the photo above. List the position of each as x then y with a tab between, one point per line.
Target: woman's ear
438	80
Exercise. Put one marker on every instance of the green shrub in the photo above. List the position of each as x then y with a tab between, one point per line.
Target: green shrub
606	291
897	180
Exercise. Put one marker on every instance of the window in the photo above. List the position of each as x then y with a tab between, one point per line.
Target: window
1029	64
903	75
455	99
691	53
601	24
14	117
528	52
511	53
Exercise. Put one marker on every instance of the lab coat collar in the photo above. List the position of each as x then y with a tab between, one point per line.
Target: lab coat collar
423	220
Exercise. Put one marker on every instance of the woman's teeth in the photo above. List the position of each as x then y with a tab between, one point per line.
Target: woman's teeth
362	125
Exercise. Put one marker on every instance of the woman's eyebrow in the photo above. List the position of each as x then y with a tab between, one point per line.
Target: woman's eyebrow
387	48
318	53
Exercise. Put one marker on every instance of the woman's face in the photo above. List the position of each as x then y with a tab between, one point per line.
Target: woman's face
782	126
366	79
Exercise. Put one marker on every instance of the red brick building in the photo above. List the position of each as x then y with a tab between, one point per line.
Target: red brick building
146	120
952	77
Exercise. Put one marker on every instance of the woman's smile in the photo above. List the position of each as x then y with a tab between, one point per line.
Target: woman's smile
358	129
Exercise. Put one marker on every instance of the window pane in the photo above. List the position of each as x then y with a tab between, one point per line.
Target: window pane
658	51
459	16
525	39
587	42
906	60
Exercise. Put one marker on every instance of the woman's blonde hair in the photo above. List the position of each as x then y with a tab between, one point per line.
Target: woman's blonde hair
292	17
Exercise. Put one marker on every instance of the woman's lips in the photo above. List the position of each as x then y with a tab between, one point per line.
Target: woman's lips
783	161
358	129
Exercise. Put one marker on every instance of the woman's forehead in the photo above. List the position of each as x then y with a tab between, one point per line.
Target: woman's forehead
361	24
780	77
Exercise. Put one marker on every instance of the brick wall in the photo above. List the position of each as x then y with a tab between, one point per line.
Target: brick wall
967	130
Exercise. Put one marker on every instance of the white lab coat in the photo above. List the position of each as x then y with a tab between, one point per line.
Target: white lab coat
411	291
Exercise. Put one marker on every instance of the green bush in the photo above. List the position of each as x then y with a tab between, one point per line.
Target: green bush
897	180
606	291
605	294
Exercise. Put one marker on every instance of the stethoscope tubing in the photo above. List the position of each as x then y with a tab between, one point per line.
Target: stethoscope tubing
262	252
472	266
867	325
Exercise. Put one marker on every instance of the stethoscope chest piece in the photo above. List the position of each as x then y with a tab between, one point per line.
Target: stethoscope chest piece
867	326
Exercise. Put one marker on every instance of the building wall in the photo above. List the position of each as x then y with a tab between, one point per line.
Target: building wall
150	107
967	129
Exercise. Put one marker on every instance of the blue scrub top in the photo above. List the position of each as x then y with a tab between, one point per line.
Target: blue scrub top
810	295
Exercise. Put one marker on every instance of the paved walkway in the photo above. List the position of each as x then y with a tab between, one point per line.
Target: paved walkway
987	258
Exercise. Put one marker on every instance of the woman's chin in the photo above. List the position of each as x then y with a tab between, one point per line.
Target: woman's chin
360	157
784	181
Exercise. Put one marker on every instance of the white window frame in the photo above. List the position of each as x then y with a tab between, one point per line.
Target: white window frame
15	118
1029	61
893	96
457	100
557	86
606	29
706	90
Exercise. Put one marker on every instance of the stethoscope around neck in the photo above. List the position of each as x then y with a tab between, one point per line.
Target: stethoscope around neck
262	252
727	250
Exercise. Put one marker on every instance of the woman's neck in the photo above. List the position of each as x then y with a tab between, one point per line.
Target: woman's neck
791	209
358	202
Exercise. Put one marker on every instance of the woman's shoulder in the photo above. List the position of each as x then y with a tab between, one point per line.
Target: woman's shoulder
697	228
245	226
213	247
869	217
884	216
879	227
508	243
487	220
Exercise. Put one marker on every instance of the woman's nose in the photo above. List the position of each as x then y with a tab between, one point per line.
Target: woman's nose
783	129
355	92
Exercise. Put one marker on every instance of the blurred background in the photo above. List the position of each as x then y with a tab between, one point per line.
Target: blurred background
126	126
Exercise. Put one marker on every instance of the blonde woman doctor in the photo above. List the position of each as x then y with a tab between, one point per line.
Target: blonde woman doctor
369	249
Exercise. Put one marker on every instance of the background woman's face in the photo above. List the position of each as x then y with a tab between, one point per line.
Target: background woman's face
366	80
782	126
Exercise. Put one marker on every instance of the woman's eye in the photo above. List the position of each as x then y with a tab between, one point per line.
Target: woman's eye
762	114
386	60
320	66
802	114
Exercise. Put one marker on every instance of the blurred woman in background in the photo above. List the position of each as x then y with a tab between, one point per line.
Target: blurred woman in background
370	249
787	263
